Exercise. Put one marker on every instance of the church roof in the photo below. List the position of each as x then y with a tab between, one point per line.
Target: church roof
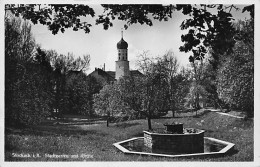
133	73
122	44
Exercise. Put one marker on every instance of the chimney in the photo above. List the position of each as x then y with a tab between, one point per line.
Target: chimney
104	67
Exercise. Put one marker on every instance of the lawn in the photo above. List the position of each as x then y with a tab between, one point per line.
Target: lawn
90	140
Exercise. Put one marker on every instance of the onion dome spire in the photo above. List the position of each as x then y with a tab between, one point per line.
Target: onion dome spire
122	44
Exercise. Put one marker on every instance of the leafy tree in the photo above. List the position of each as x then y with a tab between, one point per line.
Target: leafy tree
46	75
27	98
76	93
56	17
35	84
197	90
30	103
180	88
63	66
152	88
67	63
79	93
93	87
19	42
133	14
235	79
158	91
130	97
168	68
139	96
62	16
210	34
109	102
197	94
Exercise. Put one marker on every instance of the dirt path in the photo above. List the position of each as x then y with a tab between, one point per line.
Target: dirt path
230	115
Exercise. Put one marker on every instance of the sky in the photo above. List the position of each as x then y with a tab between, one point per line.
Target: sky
100	44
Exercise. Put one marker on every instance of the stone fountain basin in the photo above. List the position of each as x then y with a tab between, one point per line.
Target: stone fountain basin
190	141
212	147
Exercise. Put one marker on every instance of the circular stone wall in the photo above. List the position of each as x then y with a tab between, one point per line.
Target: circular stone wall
180	143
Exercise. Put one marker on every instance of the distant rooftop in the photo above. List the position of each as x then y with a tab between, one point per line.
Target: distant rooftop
110	75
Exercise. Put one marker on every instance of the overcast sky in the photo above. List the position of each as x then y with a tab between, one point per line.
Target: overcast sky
100	44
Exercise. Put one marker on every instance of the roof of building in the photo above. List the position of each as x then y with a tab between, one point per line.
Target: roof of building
110	75
122	44
100	74
136	73
133	73
74	73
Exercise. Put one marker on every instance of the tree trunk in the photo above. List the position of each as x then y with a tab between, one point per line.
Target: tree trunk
108	118
173	113
197	103
107	121
149	123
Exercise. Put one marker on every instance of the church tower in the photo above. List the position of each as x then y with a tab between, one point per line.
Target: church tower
122	63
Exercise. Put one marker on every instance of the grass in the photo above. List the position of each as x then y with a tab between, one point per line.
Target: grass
91	140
